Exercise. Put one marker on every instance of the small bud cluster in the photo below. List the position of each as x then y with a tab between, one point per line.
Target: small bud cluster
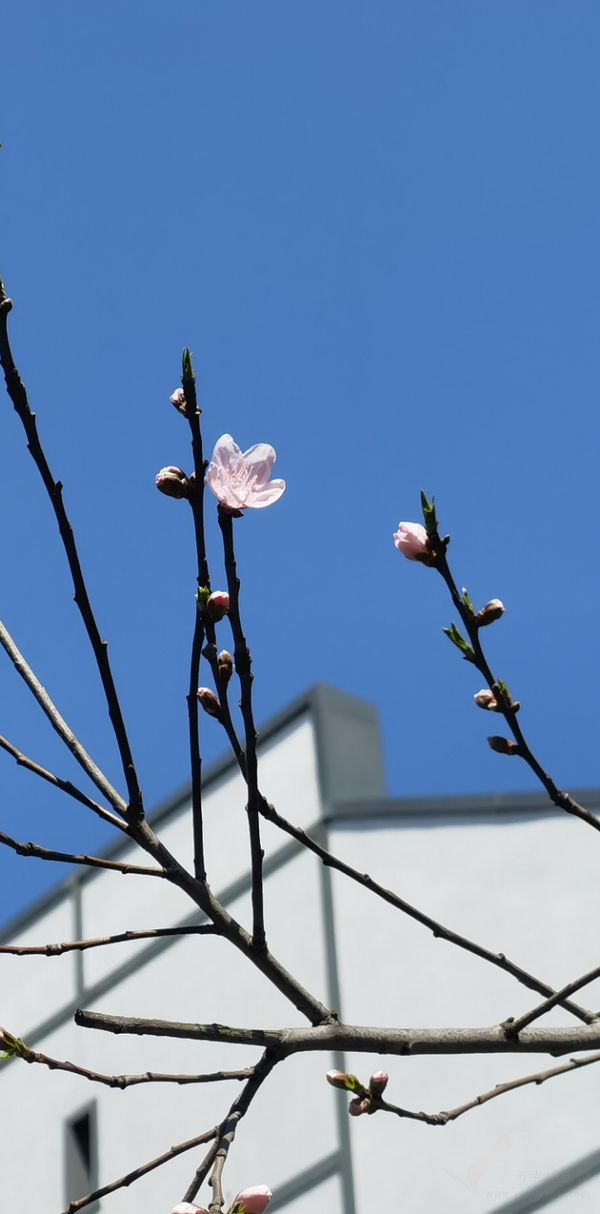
365	1100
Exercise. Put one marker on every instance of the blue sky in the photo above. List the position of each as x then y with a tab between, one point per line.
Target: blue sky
376	225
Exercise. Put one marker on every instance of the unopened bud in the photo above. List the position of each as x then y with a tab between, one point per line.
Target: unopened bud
492	611
178	399
225	664
173	482
217	605
209	652
188	1207
360	1104
209	702
378	1082
503	746
252	1201
338	1079
486	699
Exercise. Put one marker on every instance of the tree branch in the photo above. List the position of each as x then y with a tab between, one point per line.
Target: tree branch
59	724
131	1177
44	853
515	1026
243	666
69	946
18	395
127	1081
358	1038
64	785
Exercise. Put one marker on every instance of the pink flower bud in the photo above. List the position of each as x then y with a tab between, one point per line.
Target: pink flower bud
173	482
188	1207
338	1079
225	664
492	611
378	1082
486	699
503	746
411	540
209	702
218	605
360	1104
178	399
254	1200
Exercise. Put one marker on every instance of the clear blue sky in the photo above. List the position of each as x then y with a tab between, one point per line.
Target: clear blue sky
376	225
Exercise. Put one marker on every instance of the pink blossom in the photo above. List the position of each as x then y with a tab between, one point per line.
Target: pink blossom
242	480
254	1200
411	540
188	1207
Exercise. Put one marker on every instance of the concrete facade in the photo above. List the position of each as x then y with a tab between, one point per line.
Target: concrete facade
509	871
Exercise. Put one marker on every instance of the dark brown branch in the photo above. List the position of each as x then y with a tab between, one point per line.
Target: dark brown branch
351	1037
44	853
243	666
228	1128
65	785
128	1081
452	1114
18	395
197	505
202	1171
59	724
515	1026
507	709
230	929
131	1177
70	946
439	931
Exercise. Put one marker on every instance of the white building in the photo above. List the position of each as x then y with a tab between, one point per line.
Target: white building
509	871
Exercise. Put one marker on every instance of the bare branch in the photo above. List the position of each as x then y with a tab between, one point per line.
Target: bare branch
131	1177
128	1081
228	1128
438	929
358	1038
515	1026
18	395
44	853
243	666
192	413
59	724
69	946
64	785
452	1114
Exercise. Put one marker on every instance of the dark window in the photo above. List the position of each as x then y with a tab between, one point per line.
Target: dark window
81	1156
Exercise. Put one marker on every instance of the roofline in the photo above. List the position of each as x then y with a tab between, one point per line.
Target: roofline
470	805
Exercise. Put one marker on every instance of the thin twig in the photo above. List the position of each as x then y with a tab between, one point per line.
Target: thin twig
195	754
69	946
202	1171
124	1181
452	1114
243	666
45	853
59	724
65	785
18	395
128	1081
515	1026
